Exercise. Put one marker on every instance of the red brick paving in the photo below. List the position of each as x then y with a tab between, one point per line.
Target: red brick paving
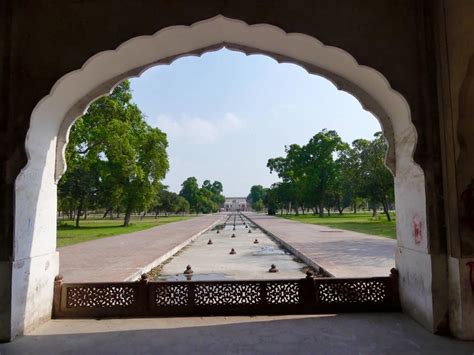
118	258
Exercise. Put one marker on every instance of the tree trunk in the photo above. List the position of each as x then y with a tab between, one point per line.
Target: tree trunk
355	206
385	210
329	211
340	211
321	209
128	214
374	211
79	210
106	213
143	215
85	213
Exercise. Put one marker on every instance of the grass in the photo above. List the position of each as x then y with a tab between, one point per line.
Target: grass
359	222
90	229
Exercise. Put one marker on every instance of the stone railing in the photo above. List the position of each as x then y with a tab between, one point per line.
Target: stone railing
249	297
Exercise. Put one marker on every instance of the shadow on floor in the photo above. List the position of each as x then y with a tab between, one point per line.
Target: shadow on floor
382	333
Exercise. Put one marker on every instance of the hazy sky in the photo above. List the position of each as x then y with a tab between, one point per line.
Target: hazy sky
226	114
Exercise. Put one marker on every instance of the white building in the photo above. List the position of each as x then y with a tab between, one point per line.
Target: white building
234	204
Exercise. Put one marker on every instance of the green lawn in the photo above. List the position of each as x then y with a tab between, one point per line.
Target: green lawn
91	229
360	222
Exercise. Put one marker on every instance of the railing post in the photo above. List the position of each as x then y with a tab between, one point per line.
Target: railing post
143	292
191	294
394	286
58	282
309	295
263	293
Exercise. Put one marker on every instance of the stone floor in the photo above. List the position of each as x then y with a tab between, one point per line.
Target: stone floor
342	253
377	333
126	256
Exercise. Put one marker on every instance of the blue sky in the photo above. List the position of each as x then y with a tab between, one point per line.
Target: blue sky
226	114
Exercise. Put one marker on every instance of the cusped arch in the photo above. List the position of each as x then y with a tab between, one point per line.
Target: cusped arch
36	188
75	91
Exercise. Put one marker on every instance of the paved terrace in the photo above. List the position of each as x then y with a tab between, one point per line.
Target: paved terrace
342	253
126	256
356	333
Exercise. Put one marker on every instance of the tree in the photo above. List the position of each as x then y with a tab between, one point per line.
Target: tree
273	200
320	168
327	173
291	170
346	182
257	194
168	201
182	205
258	206
190	191
126	157
206	199
376	180
216	196
78	187
205	203
310	170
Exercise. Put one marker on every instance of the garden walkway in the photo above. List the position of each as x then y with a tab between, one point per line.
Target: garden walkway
125	257
342	253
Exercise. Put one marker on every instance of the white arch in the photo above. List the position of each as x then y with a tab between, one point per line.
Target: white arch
35	224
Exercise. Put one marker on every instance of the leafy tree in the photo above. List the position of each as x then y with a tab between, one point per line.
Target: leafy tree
168	202
205	203
206	199
190	191
376	180
320	168
78	187
258	206
125	157
327	173
215	189
291	170
310	170
346	180
182	205
273	200
257	194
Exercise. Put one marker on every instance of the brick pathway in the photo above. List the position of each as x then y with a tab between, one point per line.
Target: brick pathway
342	253
124	257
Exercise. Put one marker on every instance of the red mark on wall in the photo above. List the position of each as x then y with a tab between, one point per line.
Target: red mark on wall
471	274
417	229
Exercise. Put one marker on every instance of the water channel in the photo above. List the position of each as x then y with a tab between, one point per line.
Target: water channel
210	256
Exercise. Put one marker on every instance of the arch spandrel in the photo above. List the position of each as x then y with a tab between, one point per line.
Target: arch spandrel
103	71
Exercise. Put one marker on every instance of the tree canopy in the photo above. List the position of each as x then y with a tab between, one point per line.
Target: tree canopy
205	199
115	159
330	174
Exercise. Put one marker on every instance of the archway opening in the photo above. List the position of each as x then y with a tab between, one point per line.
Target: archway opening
35	221
227	117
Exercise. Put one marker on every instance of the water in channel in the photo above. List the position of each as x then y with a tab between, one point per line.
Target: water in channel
210	255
